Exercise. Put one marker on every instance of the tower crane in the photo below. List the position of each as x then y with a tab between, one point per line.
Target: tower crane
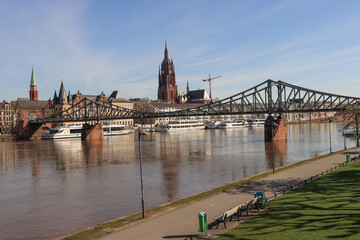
209	80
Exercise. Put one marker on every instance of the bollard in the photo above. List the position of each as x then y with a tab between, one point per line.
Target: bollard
202	222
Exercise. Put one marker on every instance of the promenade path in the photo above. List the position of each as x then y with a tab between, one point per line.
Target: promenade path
182	223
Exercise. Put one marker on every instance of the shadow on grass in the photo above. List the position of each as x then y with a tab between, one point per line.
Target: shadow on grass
326	208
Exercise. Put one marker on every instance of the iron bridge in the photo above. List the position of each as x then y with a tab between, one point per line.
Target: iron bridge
266	98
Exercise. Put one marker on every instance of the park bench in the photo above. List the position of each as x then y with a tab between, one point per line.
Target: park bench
227	215
237	211
256	203
248	206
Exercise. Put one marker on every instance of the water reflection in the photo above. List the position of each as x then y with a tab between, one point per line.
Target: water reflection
50	188
276	153
169	158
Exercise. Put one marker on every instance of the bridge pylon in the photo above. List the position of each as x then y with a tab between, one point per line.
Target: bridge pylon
92	132
275	129
27	132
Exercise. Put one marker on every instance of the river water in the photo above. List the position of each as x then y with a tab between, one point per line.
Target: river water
52	188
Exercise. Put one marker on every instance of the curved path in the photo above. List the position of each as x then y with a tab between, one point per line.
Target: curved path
182	223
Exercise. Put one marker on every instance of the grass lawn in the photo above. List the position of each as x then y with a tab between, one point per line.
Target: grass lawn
327	208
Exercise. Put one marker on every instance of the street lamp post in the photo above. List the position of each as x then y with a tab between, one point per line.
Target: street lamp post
141	132
272	142
330	135
344	139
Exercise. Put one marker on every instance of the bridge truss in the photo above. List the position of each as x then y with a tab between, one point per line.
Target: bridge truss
268	97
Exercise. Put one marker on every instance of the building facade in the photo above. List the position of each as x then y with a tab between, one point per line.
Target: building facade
6	117
65	101
158	107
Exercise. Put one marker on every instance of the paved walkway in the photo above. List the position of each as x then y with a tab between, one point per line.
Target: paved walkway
182	223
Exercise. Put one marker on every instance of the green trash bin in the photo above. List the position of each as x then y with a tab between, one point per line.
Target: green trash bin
202	222
347	157
262	200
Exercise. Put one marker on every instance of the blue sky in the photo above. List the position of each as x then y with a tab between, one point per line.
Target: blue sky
96	46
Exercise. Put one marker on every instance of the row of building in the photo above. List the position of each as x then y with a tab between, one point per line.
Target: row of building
25	109
169	99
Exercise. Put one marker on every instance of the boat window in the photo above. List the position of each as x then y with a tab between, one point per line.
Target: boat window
75	130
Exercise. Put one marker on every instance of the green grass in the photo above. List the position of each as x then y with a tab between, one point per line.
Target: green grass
328	208
113	225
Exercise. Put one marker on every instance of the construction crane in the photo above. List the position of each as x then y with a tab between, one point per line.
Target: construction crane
209	80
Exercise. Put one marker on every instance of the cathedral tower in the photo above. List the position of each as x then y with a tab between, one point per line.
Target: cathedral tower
168	90
33	88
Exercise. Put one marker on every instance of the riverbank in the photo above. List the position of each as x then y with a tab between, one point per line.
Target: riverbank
213	201
325	208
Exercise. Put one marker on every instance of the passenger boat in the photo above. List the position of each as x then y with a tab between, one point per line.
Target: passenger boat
180	125
71	131
232	124
212	125
74	131
115	129
254	122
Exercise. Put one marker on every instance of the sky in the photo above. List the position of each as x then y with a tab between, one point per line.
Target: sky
99	46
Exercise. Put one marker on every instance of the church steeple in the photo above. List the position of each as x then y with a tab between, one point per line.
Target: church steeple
62	98
55	98
166	55
168	90
33	82
33	88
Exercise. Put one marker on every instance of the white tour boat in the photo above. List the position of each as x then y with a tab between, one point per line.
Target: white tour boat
213	125
180	125
74	131
71	131
232	124
255	122
115	129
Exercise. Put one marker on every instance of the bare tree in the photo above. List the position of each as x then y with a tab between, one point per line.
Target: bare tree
351	117
142	104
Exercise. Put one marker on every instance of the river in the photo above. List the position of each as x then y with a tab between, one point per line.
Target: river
52	188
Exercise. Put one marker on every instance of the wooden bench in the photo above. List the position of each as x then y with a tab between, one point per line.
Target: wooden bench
245	208
227	215
256	203
237	211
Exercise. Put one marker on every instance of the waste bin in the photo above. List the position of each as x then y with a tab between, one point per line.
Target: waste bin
347	157
202	222
262	200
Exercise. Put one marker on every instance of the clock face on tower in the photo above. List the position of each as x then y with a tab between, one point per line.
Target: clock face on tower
170	71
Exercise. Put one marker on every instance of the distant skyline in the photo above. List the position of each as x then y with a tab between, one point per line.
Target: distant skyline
94	46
